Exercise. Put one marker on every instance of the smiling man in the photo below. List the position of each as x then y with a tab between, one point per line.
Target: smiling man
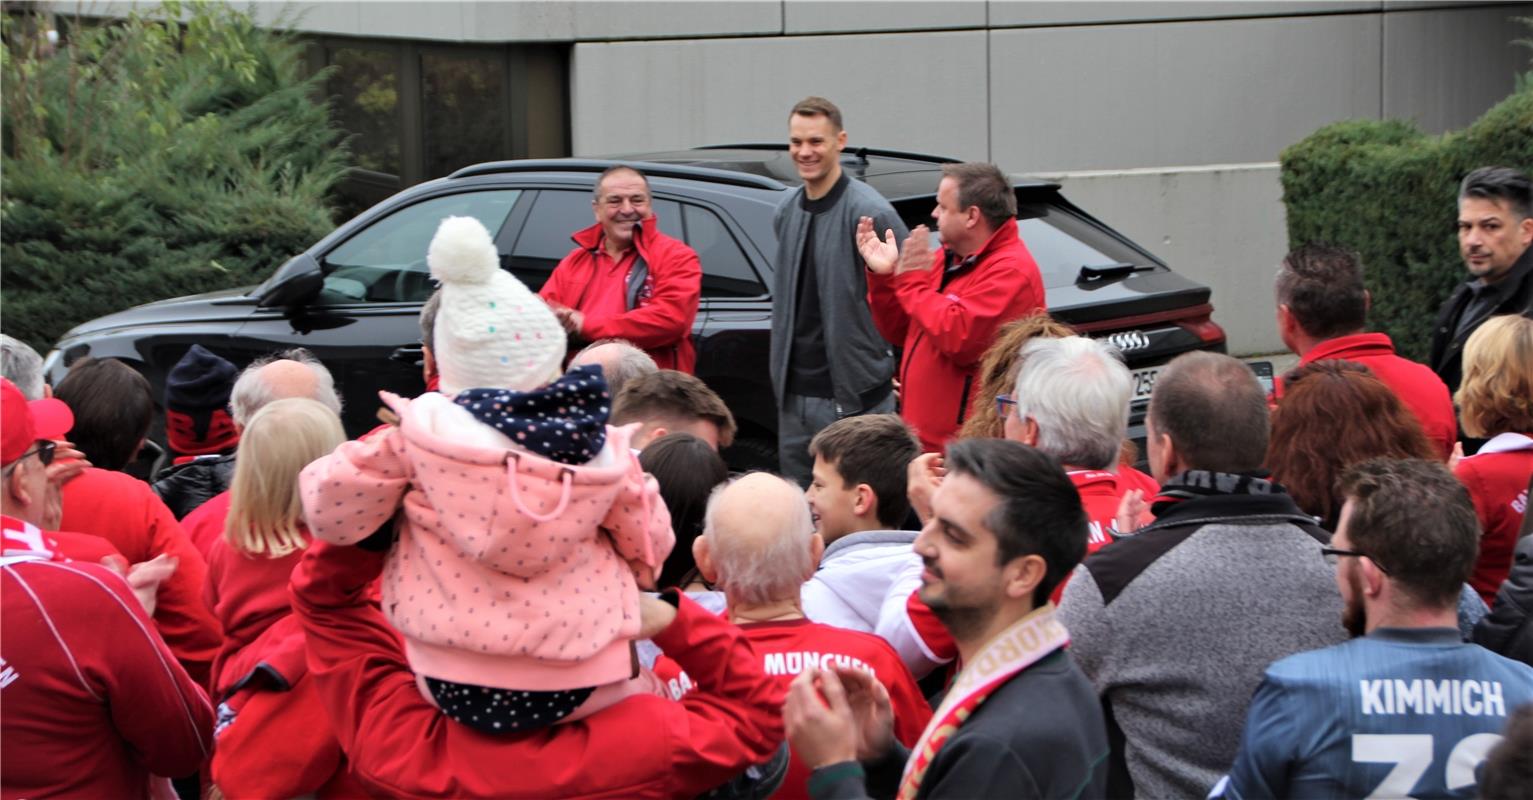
827	359
627	280
1495	229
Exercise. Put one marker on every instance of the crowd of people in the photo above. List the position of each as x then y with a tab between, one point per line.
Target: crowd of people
540	579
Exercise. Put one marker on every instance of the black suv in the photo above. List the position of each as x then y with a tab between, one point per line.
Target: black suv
354	297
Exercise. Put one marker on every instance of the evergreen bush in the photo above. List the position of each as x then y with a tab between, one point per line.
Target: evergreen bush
1390	192
179	150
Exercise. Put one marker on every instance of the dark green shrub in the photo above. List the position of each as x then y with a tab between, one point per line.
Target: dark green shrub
1390	192
150	158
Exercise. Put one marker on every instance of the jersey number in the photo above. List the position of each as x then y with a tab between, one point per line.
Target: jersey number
1411	753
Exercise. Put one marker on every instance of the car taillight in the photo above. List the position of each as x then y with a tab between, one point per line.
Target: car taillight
1202	327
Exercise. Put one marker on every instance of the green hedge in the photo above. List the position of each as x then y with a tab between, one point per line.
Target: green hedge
1390	192
177	151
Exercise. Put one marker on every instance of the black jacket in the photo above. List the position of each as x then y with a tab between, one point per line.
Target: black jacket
1040	735
1448	348
186	486
1507	629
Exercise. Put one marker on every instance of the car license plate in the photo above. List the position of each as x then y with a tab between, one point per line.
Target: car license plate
1144	382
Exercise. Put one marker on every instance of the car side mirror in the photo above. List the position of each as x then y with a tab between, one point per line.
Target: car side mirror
292	290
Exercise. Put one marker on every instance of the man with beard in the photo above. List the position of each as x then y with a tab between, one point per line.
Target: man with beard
627	280
1406	708
1020	719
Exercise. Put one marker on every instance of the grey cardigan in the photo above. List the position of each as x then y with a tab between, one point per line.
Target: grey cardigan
861	362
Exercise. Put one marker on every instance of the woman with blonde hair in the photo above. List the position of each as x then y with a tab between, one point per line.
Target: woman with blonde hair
1495	402
998	372
274	739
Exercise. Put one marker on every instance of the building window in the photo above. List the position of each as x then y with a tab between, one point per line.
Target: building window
415	111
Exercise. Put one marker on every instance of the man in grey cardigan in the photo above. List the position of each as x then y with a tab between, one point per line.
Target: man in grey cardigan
1176	624
827	360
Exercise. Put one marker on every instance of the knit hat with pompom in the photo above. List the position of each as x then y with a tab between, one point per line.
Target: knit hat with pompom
491	330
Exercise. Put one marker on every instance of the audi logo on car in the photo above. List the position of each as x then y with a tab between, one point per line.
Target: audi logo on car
1127	341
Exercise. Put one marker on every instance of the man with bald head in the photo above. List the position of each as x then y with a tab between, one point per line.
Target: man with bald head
619	360
759	546
201	487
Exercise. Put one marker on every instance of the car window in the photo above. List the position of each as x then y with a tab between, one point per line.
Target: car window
727	271
1062	243
386	261
545	237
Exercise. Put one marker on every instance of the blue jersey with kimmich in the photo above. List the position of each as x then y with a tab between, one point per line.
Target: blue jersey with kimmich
1397	713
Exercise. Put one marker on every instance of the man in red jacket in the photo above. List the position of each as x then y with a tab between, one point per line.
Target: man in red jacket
1322	306
646	746
627	280
95	703
946	307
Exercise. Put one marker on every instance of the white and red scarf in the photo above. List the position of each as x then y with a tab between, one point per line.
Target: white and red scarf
1018	647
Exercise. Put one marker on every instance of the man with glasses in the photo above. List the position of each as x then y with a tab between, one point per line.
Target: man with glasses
627	280
1405	708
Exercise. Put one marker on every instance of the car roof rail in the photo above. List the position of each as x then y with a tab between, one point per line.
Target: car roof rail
649	168
859	153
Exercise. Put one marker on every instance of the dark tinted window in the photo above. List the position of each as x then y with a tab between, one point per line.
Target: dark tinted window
726	270
545	237
464	108
386	261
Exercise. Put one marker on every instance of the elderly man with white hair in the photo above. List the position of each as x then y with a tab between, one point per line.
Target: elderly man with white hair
1071	401
759	546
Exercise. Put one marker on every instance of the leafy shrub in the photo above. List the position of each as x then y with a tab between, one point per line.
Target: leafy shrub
180	150
1390	192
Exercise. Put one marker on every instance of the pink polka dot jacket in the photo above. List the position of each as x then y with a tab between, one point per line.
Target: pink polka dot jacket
510	570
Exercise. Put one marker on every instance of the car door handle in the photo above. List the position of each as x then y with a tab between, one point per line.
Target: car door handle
409	354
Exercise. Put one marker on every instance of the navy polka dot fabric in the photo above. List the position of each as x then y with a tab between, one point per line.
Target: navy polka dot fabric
488	709
565	421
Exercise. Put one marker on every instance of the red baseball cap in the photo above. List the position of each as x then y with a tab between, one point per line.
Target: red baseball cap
23	422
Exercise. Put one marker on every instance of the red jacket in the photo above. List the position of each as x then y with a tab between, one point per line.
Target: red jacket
205	525
126	512
1497	479
788	647
644	746
94	701
1417	386
660	321
945	329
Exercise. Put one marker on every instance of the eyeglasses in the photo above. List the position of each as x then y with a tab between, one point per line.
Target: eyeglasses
1332	554
1001	403
44	452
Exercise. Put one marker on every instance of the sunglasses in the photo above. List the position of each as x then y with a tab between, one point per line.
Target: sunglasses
1003	405
44	451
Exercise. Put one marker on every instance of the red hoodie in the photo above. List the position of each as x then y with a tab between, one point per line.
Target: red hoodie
95	704
660	322
1497	479
126	512
1417	386
946	321
643	747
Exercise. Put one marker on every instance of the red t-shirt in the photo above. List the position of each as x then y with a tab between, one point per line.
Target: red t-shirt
126	512
205	525
787	648
94	701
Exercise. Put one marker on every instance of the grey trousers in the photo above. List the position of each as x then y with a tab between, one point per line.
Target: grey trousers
799	419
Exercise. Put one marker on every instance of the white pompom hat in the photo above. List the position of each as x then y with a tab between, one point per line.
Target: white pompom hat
491	331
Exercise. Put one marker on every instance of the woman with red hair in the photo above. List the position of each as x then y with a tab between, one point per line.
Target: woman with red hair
1335	414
